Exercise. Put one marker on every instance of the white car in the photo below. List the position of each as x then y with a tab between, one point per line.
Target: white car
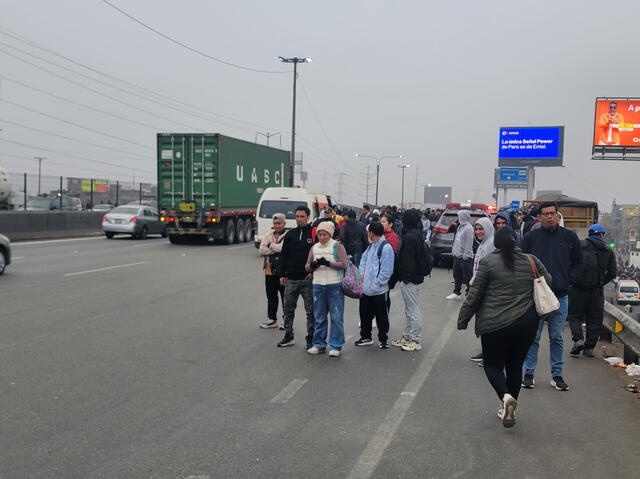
627	292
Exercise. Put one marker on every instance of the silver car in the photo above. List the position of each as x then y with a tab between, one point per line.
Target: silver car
5	253
139	221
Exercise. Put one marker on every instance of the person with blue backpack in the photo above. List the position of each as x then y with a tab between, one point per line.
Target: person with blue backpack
376	266
327	260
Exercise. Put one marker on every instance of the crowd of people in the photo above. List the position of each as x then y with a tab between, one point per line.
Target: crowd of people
497	262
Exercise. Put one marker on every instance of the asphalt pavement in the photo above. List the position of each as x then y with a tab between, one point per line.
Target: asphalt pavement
141	359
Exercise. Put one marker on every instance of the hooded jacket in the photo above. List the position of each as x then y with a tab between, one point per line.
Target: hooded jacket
353	236
505	216
463	242
607	266
295	250
560	251
410	249
486	245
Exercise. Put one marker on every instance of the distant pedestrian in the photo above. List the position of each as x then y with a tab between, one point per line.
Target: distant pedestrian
501	298
502	219
586	297
462	251
365	216
271	249
325	261
410	279
297	281
377	266
353	236
327	215
559	250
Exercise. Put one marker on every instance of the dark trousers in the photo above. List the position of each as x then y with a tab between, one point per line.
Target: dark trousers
374	307
586	305
273	288
462	272
504	352
292	289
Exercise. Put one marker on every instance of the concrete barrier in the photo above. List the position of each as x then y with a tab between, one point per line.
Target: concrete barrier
625	328
20	225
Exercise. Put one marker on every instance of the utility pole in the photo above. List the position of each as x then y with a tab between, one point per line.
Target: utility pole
404	167
367	188
39	158
415	190
340	187
295	61
268	135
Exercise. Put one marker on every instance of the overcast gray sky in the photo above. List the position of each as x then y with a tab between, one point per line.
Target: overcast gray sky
432	81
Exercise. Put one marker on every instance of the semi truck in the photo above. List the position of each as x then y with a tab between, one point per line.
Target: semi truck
209	185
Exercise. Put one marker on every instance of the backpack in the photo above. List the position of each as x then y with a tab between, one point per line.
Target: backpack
594	264
393	279
425	264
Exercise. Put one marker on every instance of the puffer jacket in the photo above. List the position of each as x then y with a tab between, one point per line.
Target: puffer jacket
498	297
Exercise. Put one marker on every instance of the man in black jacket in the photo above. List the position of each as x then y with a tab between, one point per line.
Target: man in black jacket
353	236
586	298
296	280
365	216
559	250
411	279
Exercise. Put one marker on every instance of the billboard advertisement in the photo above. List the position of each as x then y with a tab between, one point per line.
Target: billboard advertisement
617	123
530	146
99	186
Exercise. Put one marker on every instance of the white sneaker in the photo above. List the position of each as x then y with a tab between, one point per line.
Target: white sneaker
400	342
315	350
509	414
374	324
334	353
411	346
454	296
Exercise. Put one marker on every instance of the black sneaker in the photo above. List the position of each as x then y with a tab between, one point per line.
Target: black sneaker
286	341
558	383
383	345
588	352
476	358
364	342
528	382
577	348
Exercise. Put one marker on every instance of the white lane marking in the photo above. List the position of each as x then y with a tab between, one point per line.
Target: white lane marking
240	246
17	257
370	457
288	391
202	476
29	243
106	268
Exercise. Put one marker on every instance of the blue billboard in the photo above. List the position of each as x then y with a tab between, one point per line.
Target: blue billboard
530	146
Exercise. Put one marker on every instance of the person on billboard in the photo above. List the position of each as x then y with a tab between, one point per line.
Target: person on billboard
609	126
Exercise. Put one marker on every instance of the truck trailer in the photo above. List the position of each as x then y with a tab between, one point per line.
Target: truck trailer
209	185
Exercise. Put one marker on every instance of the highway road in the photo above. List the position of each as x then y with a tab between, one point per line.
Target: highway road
142	359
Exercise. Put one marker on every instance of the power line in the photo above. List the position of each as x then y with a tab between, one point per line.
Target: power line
71	155
32	110
29	42
183	45
72	139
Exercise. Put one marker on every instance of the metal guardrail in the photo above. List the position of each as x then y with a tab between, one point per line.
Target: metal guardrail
626	330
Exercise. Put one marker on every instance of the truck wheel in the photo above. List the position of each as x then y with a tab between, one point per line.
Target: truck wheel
175	239
229	232
108	234
239	230
248	230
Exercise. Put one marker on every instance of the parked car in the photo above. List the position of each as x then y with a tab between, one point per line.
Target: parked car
5	253
135	220
51	203
441	240
102	208
627	292
76	204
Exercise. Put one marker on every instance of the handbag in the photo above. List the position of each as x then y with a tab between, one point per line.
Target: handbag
352	282
545	300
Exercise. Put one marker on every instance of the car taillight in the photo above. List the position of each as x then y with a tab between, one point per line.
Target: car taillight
133	220
105	218
439	229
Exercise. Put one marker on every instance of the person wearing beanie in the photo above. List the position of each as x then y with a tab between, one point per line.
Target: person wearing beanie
410	280
326	261
586	297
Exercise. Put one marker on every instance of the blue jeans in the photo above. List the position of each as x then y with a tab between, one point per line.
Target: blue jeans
556	321
328	299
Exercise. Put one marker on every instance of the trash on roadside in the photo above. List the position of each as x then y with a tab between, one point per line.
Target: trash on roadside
632	388
613	360
633	370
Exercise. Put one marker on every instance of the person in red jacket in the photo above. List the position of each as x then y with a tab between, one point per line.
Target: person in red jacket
390	235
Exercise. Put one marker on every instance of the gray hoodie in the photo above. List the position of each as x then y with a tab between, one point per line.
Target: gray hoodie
463	242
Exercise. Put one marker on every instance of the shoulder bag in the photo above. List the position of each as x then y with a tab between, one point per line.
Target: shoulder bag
545	300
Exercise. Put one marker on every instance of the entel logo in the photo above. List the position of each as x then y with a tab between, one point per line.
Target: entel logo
636	140
504	133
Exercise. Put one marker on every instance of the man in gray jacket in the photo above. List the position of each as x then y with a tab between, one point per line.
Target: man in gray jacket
462	252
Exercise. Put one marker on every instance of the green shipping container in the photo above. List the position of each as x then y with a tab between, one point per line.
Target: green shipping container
216	172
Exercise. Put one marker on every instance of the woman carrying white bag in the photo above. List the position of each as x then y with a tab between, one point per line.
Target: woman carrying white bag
502	300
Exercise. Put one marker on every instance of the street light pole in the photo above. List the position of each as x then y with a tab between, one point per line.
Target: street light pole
378	160
404	167
295	61
39	158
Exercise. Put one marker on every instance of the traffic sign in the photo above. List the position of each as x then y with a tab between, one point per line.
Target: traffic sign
515	204
516	175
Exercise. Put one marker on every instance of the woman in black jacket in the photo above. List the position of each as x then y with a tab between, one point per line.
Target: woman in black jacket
501	298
